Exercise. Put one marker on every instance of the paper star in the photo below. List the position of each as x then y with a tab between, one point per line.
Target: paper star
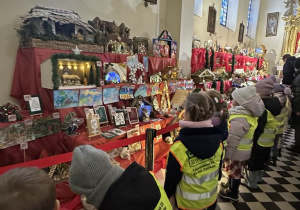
76	51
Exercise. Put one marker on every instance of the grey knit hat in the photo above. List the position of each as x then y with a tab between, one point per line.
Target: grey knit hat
244	94
92	173
265	87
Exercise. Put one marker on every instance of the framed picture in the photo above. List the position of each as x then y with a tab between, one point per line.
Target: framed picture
272	24
118	132
100	110
133	116
211	24
119	118
35	105
241	33
108	135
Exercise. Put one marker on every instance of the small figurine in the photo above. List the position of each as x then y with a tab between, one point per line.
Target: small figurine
145	115
125	153
73	126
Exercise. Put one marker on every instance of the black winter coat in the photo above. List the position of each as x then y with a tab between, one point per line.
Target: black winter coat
260	155
289	71
136	189
295	101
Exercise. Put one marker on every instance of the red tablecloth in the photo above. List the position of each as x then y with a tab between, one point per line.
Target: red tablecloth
222	59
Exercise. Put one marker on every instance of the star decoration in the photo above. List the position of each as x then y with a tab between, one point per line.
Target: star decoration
76	51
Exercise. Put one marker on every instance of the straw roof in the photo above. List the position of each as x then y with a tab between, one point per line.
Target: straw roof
61	16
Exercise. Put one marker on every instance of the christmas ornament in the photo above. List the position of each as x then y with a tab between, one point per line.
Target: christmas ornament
9	109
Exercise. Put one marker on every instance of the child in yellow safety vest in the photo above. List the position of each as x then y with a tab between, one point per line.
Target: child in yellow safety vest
242	122
264	135
283	93
195	158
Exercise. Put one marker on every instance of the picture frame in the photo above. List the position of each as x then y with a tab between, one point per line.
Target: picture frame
100	110
272	24
241	33
119	118
133	116
35	105
212	16
118	132
108	135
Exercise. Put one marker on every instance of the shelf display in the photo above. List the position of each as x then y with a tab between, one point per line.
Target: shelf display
143	91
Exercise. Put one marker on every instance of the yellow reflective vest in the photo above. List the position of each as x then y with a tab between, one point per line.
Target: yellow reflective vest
282	117
246	142
197	188
164	202
267	138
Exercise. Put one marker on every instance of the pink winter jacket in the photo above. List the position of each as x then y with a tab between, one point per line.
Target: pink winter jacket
240	126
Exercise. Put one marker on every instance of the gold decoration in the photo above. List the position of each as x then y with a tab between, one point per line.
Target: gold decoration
165	99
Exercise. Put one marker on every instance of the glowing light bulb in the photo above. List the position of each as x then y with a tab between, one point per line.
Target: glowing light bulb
69	66
82	67
61	67
75	67
88	65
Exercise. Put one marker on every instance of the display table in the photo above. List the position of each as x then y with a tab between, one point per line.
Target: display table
57	144
223	59
27	74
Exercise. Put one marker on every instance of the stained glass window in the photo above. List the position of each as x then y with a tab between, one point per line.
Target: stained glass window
252	18
249	13
224	11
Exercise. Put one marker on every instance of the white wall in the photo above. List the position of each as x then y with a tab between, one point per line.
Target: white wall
142	21
273	43
223	35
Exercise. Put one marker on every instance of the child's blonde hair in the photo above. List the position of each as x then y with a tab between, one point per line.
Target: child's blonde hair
27	189
199	107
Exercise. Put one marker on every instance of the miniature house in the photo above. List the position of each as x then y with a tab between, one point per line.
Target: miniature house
49	21
164	46
115	72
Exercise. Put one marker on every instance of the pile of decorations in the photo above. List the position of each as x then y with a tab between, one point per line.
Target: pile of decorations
8	110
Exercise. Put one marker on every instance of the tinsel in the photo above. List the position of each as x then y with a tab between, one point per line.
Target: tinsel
214	85
233	63
212	59
222	86
206	58
54	60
